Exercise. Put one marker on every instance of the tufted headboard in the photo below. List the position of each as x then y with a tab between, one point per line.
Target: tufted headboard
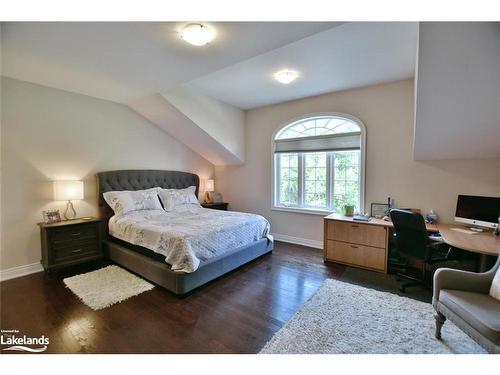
140	179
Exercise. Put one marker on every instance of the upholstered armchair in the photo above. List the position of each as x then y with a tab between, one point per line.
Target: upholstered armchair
463	298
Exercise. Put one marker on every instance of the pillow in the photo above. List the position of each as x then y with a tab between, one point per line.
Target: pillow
171	198
125	201
495	286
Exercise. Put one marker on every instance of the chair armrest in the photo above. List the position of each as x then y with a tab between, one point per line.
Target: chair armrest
447	278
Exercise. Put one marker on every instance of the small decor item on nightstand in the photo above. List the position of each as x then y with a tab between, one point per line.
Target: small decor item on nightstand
68	191
51	216
348	210
208	186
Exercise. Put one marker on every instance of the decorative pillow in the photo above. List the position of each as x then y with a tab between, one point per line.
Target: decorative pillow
495	286
125	201
171	198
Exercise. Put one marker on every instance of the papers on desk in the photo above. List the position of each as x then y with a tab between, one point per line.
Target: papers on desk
361	218
466	231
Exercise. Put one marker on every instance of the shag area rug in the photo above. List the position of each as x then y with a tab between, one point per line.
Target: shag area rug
106	286
344	318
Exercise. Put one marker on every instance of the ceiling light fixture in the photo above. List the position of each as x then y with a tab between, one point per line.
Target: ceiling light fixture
197	34
285	76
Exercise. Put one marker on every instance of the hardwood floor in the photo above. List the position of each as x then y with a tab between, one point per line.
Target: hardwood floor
237	313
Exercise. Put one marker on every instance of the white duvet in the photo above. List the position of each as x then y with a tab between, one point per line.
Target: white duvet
189	234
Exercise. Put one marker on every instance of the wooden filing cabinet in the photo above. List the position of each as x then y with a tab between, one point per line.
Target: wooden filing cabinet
357	244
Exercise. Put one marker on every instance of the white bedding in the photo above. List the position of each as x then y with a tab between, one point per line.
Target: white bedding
189	234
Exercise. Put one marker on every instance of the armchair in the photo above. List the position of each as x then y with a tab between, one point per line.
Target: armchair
463	298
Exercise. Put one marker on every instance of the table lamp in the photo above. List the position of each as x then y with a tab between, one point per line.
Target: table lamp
209	187
68	191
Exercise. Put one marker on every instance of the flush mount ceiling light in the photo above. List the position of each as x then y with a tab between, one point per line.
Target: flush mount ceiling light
285	76
197	34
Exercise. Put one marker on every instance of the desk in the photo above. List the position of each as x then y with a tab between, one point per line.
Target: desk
365	244
484	243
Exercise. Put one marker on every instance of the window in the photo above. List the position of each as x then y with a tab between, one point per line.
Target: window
319	164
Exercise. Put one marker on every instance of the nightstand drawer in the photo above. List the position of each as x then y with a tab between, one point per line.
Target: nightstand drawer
59	236
75	244
75	252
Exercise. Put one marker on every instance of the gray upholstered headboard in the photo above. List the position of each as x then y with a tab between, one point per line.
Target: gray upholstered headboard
140	179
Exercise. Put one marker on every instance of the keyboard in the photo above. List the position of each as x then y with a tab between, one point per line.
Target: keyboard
466	231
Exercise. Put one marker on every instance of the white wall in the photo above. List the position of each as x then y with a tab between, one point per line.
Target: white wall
458	91
49	134
387	110
221	121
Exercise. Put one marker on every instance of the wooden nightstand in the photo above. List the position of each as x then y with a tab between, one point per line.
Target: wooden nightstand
70	242
216	206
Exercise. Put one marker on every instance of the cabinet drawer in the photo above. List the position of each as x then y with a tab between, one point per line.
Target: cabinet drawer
361	234
75	252
357	255
83	242
58	236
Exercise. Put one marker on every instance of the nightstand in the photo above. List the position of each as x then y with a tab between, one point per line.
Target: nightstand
70	242
216	206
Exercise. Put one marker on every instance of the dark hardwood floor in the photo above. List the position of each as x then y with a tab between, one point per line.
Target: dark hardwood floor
237	313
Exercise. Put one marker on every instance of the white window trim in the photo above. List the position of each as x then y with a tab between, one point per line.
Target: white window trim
362	180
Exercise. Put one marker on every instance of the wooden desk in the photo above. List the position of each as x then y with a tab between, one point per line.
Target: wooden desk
481	243
365	244
485	244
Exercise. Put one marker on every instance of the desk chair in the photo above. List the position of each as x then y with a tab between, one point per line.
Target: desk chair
413	242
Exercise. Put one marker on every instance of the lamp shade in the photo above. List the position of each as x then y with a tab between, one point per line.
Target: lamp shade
209	185
68	190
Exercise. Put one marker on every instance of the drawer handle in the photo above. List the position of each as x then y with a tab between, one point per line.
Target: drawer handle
76	234
354	247
355	226
76	251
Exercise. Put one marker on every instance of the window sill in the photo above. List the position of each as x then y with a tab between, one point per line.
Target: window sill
301	210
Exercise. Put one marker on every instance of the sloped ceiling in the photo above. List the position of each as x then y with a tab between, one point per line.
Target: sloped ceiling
197	94
158	110
211	128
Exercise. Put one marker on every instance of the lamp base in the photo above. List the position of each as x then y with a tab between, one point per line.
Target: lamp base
70	212
208	197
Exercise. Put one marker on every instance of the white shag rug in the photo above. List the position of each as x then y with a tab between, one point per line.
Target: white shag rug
344	318
106	286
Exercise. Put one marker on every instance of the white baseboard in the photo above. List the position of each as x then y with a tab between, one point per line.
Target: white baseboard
298	241
12	273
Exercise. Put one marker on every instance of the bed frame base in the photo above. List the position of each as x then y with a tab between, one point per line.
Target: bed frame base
181	283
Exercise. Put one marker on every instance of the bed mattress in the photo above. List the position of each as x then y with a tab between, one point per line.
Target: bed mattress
189	234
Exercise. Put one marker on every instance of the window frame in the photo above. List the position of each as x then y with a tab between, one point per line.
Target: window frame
275	179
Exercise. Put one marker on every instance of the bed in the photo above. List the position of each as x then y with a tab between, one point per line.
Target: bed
152	265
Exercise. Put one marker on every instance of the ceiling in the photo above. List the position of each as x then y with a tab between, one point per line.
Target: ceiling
121	61
351	55
125	61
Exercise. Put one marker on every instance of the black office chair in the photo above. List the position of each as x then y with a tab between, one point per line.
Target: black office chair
413	242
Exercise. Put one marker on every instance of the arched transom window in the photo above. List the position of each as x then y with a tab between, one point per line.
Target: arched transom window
319	164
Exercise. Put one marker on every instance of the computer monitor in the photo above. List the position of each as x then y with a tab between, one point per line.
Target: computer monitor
479	211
